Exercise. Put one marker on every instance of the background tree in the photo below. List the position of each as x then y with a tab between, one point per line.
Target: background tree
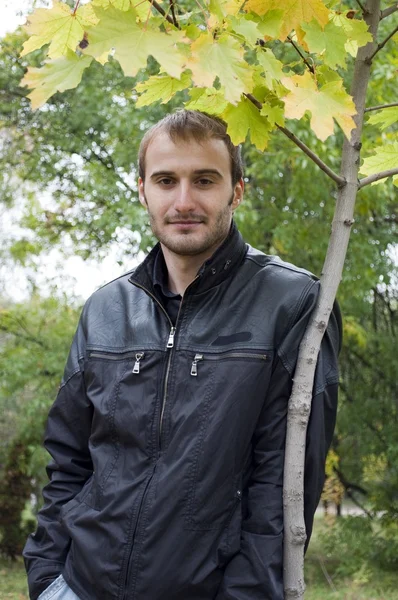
296	206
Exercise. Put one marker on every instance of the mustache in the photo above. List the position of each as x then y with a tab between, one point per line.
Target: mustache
186	219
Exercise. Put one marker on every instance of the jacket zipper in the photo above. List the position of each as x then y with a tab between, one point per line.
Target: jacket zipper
137	355
199	357
169	347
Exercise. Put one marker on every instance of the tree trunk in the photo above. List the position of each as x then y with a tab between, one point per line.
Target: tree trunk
300	400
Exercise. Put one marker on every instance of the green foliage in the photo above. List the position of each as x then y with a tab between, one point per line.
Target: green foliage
359	545
35	338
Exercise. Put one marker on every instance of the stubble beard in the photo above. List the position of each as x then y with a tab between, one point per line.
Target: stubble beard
187	243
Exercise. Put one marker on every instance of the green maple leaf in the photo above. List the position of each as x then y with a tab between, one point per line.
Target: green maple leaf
132	43
247	28
270	24
207	100
161	88
330	102
271	66
383	159
329	42
222	58
57	75
356	31
58	27
273	113
243	118
385	117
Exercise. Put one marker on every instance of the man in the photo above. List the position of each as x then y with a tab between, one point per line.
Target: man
168	432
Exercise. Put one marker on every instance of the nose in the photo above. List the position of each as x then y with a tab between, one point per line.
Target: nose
184	201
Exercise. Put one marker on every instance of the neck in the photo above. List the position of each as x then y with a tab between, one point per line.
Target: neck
182	270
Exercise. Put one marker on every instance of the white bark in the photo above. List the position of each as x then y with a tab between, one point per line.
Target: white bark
300	400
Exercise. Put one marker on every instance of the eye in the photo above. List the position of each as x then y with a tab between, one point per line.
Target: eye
166	181
204	181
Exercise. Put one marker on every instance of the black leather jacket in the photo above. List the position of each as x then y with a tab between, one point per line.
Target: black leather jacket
168	443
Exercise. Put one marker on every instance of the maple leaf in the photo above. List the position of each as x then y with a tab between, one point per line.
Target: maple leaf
384	159
356	31
295	12
385	117
222	58
58	27
274	114
329	42
247	28
219	9
119	4
272	67
330	102
160	87
132	43
270	24
57	75
207	100
243	118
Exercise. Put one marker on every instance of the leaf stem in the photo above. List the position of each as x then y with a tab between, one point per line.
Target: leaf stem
380	106
314	157
76	7
377	177
382	44
388	11
168	18
306	61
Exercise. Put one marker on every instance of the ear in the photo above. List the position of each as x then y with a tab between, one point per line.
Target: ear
141	192
238	194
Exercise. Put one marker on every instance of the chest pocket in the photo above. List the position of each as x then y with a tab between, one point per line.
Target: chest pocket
122	388
235	384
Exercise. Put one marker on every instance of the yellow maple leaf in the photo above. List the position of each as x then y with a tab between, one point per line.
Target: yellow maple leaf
119	4
57	75
295	12
132	43
223	58
59	27
329	102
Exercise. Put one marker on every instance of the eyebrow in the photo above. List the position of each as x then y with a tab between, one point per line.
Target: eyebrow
197	172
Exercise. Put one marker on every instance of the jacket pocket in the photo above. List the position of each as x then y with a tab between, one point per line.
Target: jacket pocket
231	387
80	498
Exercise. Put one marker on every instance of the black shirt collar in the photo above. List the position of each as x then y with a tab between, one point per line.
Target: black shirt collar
213	271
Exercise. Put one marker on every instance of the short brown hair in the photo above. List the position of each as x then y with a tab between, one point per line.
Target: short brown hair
192	124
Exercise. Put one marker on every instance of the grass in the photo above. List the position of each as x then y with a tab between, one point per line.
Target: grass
368	583
13	584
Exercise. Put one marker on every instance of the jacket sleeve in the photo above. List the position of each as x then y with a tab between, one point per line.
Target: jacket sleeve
66	439
256	571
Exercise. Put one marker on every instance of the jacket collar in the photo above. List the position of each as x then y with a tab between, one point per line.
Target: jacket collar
225	260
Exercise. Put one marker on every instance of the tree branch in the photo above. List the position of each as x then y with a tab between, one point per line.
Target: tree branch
173	14
361	6
381	106
168	18
341	182
306	61
381	45
314	157
376	177
388	11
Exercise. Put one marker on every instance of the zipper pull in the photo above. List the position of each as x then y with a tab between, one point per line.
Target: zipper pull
170	342
194	366
138	357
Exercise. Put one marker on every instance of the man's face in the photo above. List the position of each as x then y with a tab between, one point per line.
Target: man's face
188	193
